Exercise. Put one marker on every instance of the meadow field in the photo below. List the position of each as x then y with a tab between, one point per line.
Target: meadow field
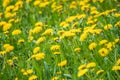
59	40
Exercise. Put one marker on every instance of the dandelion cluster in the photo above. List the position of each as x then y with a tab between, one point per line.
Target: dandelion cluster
59	39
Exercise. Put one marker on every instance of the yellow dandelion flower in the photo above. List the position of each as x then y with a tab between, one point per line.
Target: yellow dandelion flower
37	30
115	68
8	47
81	66
21	41
33	77
3	52
91	65
63	63
83	36
36	3
99	72
70	19
103	42
108	26
5	3
92	46
7	26
109	45
16	32
19	4
103	52
30	38
16	78
118	62
22	70
48	32
64	24
55	78
39	24
10	62
36	50
27	1
55	47
56	53
29	71
38	56
116	40
77	50
39	40
82	72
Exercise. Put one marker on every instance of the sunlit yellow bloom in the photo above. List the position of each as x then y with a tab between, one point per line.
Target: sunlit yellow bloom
99	71
21	41
109	45
11	20
19	4
36	2
63	63
10	62
56	53
38	56
55	47
83	36
39	24
103	52
26	72
29	71
16	20
117	40
118	62
8	47
16	32
82	67
73	5
75	24
33	77
117	14
55	78
60	32
70	19
7	26
56	38
115	68
108	26
103	42
40	39
5	3
48	32
30	38
92	46
75	30
44	4
91	65
117	24
37	30
36	50
64	24
82	72
16	78
77	49
67	34
79	16
27	1
3	52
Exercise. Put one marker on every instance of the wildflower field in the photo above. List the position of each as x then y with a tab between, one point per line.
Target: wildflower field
59	40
